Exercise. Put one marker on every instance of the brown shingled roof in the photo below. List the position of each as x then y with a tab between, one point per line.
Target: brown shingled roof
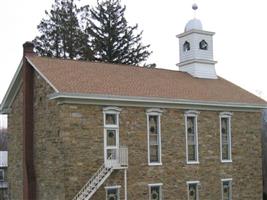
113	79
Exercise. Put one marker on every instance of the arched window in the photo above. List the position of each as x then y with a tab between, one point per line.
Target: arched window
203	45
186	46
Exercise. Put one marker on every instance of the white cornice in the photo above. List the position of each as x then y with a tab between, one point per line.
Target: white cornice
196	61
195	31
151	101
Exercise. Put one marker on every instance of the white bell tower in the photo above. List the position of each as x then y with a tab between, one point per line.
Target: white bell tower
196	50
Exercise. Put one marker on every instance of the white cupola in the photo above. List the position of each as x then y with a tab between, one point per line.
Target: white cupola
196	50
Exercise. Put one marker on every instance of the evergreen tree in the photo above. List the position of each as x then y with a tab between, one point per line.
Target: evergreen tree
62	35
112	40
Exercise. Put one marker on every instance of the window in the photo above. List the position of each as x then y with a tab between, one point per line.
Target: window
191	137
111	134
155	191
154	136
113	192
192	190
226	189
111	116
2	175
203	45
225	137
186	46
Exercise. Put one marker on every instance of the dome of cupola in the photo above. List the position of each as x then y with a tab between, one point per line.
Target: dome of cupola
193	24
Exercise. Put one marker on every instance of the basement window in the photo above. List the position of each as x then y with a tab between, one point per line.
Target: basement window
2	175
113	192
155	191
192	189
226	189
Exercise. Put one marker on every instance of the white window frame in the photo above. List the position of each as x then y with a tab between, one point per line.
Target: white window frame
193	182
113	187
230	180
227	115
116	111
155	185
154	112
111	110
3	173
192	113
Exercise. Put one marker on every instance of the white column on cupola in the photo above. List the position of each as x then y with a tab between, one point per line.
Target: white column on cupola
196	50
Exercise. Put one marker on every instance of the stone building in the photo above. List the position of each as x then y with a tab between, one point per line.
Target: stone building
3	177
87	130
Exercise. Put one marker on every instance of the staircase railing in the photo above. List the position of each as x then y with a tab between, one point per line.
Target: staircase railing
94	179
103	173
119	159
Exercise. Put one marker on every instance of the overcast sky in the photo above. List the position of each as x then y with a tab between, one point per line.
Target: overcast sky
239	44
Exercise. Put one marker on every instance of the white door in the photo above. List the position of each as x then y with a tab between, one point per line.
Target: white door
111	144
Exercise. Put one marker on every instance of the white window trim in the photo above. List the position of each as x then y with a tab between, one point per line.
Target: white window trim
229	116
152	185
193	182
116	111
191	113
227	180
111	110
3	172
112	187
154	112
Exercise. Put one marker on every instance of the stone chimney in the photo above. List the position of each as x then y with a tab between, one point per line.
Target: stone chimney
29	179
28	49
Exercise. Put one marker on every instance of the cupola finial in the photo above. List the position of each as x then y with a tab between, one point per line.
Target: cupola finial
195	7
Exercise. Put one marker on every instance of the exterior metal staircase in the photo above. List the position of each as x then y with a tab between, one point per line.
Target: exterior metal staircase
94	183
121	162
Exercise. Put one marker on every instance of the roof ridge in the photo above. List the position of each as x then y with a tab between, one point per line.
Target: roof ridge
116	64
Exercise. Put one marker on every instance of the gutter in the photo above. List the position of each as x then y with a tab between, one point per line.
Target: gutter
152	100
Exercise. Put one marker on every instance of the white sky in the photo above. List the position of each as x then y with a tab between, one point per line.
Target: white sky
239	44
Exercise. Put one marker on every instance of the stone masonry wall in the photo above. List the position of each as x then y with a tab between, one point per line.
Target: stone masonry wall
82	132
15	155
68	146
48	146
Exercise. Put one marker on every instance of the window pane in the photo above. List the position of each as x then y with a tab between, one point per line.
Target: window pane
155	193
226	190
154	139
192	191
225	138
111	154
111	119
1	175
153	125
192	153
154	154
191	139
111	138
113	194
225	152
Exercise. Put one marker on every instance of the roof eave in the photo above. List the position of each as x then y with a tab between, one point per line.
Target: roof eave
68	97
12	90
15	86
